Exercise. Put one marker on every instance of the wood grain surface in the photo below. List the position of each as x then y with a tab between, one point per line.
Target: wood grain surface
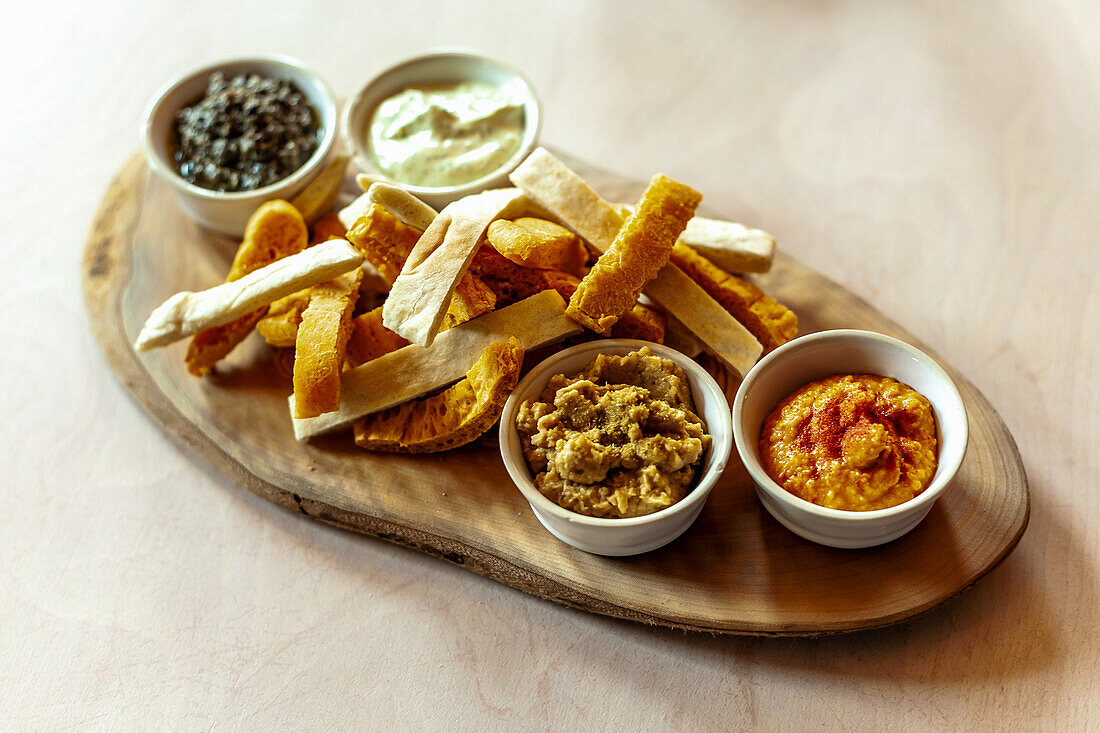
736	570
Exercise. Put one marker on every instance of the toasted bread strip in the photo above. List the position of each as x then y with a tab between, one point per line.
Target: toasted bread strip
769	321
419	297
384	240
387	242
280	326
641	322
320	347
455	417
511	282
731	246
414	371
640	250
538	243
370	339
188	313
274	230
317	198
550	183
326	228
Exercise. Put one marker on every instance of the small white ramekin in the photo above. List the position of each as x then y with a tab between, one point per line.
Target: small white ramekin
228	213
825	354
633	535
440	67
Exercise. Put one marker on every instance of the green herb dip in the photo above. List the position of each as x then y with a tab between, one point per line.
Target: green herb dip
445	135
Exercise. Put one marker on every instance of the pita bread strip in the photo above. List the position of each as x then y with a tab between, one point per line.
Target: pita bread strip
321	344
722	334
640	250
551	183
419	297
188	313
414	371
275	230
769	320
402	204
733	247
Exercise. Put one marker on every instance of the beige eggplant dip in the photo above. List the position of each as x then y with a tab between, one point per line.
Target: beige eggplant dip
619	439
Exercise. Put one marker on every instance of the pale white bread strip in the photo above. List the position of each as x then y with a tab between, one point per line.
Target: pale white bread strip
678	337
420	295
412	371
733	247
721	334
554	186
551	184
402	204
187	313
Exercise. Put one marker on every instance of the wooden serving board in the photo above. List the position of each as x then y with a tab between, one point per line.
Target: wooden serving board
735	571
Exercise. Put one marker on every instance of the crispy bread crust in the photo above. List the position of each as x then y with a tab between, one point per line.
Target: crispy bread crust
640	250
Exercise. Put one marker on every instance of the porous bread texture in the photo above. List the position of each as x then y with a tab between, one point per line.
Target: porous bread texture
452	418
275	230
639	251
321	343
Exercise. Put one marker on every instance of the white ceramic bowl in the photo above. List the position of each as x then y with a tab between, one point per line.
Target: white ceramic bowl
633	535
440	67
228	213
821	355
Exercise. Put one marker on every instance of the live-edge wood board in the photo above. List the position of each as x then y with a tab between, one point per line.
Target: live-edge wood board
735	571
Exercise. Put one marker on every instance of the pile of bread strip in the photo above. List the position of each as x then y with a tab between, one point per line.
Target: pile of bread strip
465	292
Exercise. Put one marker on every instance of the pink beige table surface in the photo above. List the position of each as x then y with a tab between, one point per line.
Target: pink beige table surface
940	160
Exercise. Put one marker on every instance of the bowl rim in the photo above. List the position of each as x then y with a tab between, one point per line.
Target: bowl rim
944	473
163	167
716	461
532	106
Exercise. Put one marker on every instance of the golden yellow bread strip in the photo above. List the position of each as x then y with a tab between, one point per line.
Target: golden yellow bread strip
419	297
387	243
326	228
187	313
370	339
320	348
317	198
551	184
279	327
538	243
511	282
769	321
641	322
414	371
274	230
384	240
452	418
402	204
639	251
731	246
